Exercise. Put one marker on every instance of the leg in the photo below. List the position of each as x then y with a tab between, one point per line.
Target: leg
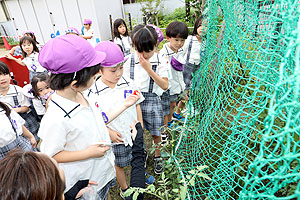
172	106
157	140
121	178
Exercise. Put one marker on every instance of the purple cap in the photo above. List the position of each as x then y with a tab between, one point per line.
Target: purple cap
72	30
114	55
87	21
68	54
27	31
160	35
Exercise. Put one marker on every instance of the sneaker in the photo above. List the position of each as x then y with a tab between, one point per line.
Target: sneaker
123	196
164	139
178	117
149	179
158	165
170	124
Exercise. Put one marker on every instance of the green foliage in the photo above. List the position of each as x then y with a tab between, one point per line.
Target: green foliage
178	14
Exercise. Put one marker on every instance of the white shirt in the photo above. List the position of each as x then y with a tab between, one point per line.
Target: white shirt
142	78
176	83
90	32
126	42
7	132
17	91
32	63
197	48
77	130
39	104
111	98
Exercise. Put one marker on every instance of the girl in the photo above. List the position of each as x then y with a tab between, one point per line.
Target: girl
88	32
30	53
121	36
12	131
149	71
13	96
72	130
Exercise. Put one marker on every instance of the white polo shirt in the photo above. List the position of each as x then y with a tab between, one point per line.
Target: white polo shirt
126	41
177	84
111	98
7	132
142	78
32	63
17	91
76	129
197	48
90	32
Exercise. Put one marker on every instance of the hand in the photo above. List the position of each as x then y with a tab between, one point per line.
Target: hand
132	99
86	189
144	62
115	136
134	131
97	150
33	141
9	56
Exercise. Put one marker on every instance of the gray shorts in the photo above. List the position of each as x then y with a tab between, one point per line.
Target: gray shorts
177	97
102	194
123	155
165	102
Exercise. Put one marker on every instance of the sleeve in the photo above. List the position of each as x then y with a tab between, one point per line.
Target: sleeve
117	41
164	68
186	44
26	61
23	100
18	120
126	67
53	134
90	32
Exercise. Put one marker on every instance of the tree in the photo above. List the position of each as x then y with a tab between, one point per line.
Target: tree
150	9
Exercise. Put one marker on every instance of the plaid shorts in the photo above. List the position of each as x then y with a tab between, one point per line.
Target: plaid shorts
165	102
102	194
123	155
152	113
188	69
31	123
19	142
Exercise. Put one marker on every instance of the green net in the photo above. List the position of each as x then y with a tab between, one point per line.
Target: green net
243	115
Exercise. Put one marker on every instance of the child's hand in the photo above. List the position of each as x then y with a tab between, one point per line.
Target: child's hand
115	136
97	150
144	62
32	141
133	130
9	56
132	99
86	189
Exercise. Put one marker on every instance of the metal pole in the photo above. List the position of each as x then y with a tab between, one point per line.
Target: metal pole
130	23
111	27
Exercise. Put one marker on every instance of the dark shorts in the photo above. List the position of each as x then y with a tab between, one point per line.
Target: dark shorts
123	155
177	97
102	194
165	102
188	72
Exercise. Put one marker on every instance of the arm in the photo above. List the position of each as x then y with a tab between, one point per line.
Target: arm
161	82
93	151
86	37
22	109
12	51
139	114
29	136
114	135
9	56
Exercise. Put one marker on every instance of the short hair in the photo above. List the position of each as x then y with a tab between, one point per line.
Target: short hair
4	68
33	37
144	38
117	23
177	29
29	175
30	40
40	77
61	81
198	23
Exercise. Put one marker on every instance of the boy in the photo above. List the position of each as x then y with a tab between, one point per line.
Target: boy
176	34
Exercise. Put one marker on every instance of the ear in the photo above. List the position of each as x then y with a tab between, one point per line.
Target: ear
168	38
72	85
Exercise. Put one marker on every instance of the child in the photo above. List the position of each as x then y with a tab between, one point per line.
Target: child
176	34
149	72
72	130
30	53
88	32
121	36
13	96
12	128
72	30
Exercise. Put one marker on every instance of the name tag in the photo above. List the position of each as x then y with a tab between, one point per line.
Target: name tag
127	93
33	67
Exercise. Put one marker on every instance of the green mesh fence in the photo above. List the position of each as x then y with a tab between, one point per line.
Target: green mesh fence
243	118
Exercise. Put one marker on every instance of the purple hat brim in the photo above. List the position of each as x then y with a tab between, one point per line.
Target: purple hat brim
115	64
100	56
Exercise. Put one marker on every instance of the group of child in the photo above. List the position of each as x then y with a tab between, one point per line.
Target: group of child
94	95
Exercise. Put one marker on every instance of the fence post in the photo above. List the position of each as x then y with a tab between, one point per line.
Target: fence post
111	27
130	24
145	20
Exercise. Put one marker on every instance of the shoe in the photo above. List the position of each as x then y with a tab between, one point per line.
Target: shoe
123	196
178	117
158	165
170	124
164	139
149	179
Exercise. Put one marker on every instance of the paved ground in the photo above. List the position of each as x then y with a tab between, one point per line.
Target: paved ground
3	52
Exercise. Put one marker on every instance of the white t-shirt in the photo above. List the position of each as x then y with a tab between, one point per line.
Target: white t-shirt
74	127
90	32
110	98
196	50
142	78
17	91
32	63
124	42
7	132
176	83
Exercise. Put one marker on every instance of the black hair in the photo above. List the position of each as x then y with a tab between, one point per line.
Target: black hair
5	108
30	40
117	23
61	81
33	37
40	77
177	29
4	68
144	38
198	23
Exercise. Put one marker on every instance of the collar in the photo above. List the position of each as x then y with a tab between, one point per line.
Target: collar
100	87
154	60
12	90
170	52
